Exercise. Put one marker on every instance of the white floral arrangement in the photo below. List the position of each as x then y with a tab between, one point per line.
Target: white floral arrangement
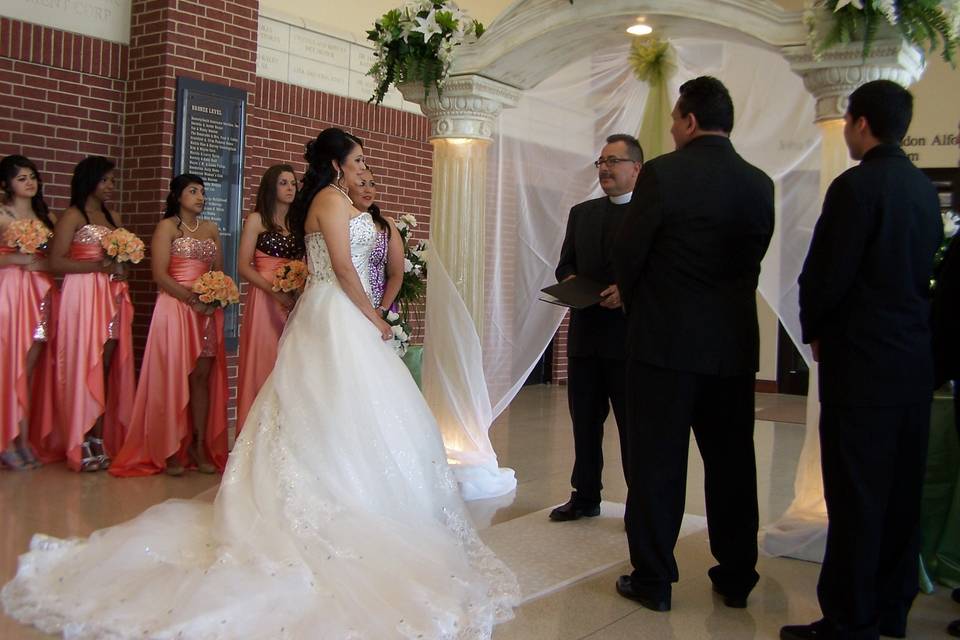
415	43
926	24
951	223
401	332
414	284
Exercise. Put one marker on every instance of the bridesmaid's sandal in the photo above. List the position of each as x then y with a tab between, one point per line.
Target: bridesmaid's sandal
96	447
203	466
174	468
88	461
11	460
28	457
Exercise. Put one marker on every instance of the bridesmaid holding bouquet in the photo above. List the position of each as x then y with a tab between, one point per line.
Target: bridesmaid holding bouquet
95	379
180	409
266	248
26	297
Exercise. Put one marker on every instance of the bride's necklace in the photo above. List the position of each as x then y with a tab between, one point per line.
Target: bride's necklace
187	227
345	194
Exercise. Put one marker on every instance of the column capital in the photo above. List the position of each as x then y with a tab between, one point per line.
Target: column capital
468	106
833	75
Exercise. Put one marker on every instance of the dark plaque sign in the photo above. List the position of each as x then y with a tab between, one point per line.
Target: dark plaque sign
210	128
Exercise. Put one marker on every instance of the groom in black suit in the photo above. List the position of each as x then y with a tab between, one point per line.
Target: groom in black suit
596	336
865	310
687	261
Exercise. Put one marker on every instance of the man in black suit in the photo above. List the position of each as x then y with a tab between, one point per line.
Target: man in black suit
595	339
865	311
687	261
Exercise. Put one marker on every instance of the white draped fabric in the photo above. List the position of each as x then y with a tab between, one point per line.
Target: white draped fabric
540	165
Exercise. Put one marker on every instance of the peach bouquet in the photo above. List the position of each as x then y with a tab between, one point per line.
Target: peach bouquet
123	246
216	288
290	277
26	236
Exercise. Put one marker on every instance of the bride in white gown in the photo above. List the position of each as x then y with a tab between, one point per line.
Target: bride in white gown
337	518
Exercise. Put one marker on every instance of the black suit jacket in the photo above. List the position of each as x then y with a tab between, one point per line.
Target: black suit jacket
587	251
864	288
946	316
688	257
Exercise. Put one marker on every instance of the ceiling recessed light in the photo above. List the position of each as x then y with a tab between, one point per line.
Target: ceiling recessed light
640	30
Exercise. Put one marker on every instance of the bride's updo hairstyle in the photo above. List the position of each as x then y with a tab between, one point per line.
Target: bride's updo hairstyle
329	145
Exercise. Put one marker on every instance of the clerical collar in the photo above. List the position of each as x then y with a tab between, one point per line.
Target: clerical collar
623	198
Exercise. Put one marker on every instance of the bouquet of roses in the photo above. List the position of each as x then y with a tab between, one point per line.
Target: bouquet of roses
123	246
401	332
290	277
26	236
216	288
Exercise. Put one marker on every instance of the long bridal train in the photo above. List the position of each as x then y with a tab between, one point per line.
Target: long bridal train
337	518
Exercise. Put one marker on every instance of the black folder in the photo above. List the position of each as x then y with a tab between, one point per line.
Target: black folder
576	293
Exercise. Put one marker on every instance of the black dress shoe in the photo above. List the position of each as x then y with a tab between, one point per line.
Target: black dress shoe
955	594
892	628
573	510
653	601
732	600
819	630
954	628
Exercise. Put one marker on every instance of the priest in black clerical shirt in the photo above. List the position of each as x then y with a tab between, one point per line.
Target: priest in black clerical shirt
597	334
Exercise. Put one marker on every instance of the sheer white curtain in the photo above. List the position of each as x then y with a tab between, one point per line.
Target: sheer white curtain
541	164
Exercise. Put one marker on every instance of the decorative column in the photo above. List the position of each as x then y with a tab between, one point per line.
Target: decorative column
830	77
461	128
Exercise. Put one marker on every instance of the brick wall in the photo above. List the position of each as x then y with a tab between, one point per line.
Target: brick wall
61	98
65	96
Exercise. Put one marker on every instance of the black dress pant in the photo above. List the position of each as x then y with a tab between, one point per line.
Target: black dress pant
593	385
662	407
874	459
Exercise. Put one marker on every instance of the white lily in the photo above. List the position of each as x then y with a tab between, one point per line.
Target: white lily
407	265
950	225
888	9
406	28
428	26
392	316
842	3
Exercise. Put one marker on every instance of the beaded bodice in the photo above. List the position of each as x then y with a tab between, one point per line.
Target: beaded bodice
193	249
277	245
363	235
91	234
378	266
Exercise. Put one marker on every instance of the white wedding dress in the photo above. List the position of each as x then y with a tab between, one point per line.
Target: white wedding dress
338	517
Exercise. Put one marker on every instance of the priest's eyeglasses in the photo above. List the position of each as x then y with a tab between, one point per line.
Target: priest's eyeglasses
611	162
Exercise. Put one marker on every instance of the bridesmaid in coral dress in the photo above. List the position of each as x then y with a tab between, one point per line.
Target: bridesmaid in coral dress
94	346
26	297
386	259
180	410
265	245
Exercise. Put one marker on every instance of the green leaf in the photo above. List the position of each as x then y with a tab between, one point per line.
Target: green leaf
446	21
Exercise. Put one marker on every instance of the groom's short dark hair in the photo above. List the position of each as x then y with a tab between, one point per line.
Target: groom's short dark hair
707	99
887	107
